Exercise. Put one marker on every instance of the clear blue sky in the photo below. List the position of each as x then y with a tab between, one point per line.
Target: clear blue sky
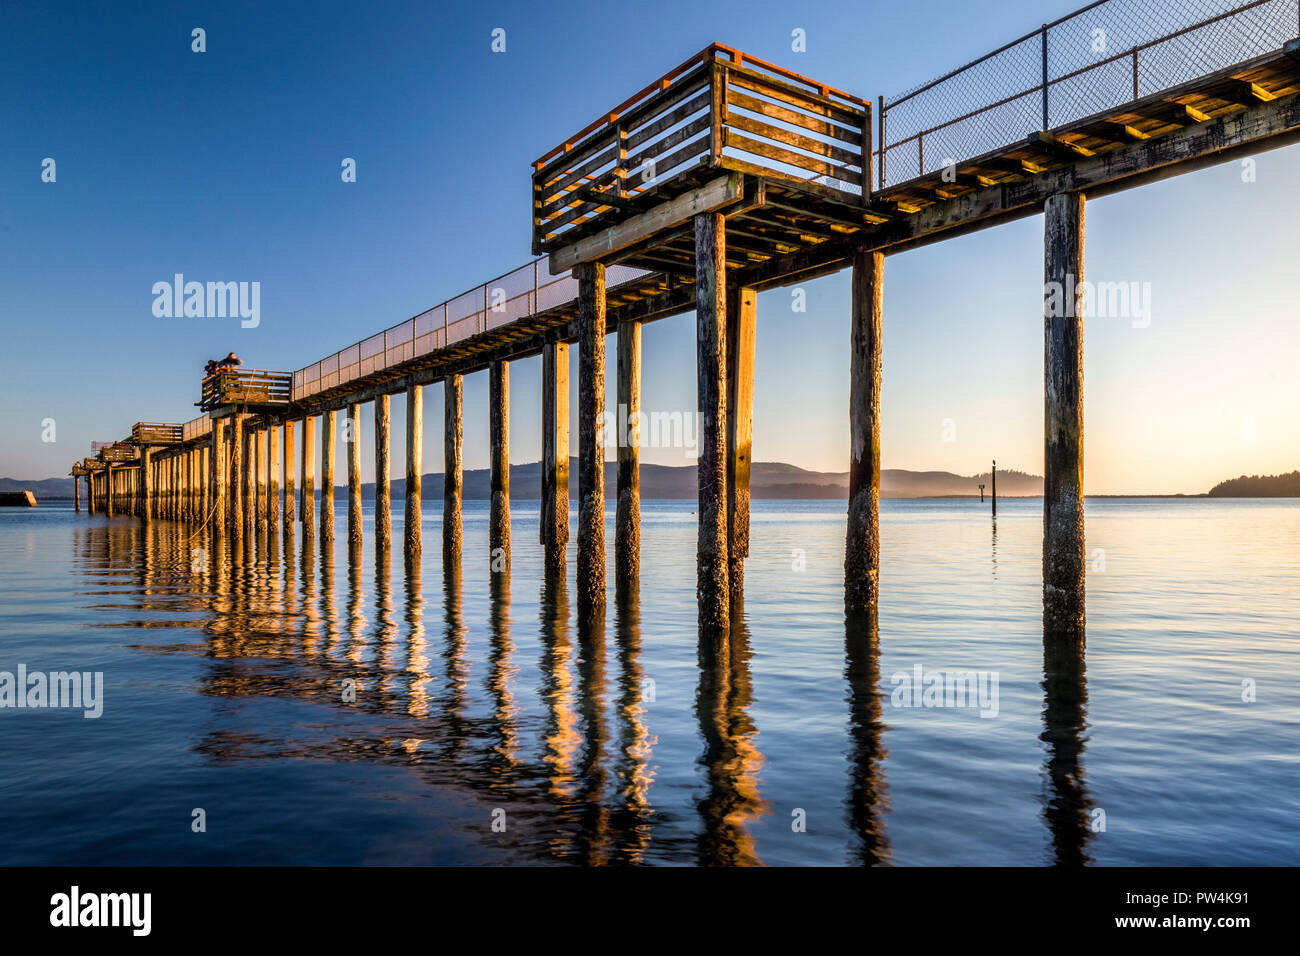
225	166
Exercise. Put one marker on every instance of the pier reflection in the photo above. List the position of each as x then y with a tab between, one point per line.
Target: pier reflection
866	800
552	722
1068	808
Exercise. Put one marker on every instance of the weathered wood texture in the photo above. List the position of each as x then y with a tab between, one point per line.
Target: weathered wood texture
711	557
591	451
354	477
627	420
273	477
453	436
307	458
383	471
414	542
146	483
742	314
290	463
1063	533
236	477
555	456
499	462
329	436
866	331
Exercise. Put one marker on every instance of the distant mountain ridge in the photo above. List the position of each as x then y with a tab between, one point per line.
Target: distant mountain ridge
767	480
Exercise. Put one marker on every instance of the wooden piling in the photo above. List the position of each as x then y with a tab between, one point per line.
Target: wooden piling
250	480
555	456
383	486
109	492
289	465
711	554
329	434
499	461
237	475
453	436
273	477
307	459
76	494
90	492
261	443
591	452
627	517
742	315
1063	532
146	483
217	457
866	336
412	534
354	477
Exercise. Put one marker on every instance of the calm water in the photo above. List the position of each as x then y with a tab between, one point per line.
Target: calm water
616	742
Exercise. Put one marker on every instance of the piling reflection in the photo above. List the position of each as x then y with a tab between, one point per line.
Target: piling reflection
279	619
867	801
730	758
1067	804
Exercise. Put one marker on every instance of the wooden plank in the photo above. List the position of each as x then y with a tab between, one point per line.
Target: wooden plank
793	117
791	138
790	158
709	197
793	96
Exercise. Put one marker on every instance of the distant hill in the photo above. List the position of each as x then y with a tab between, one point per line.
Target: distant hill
768	479
1259	486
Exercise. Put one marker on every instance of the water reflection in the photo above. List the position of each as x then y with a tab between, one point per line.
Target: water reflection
1067	805
866	801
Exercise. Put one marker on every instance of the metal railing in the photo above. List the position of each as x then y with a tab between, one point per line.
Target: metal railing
196	428
528	290
1096	59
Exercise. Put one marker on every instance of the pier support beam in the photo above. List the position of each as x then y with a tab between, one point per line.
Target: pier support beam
555	456
383	487
742	314
236	475
272	478
1063	535
866	332
591	453
250	480
217	457
289	465
711	554
261	443
307	510
354	478
414	543
146	483
76	494
499	460
110	491
627	519
329	434
205	484
453	436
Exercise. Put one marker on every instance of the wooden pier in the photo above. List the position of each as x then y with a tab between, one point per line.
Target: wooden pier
727	176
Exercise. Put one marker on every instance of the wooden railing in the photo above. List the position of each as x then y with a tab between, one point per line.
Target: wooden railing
245	387
155	433
721	108
115	451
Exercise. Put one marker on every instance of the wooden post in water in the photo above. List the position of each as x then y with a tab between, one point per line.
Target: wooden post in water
414	541
307	460
76	494
993	478
146	483
250	480
260	440
90	491
591	454
383	487
109	491
272	477
711	554
354	478
555	456
1063	533
217	456
453	434
289	465
329	434
866	335
742	315
627	517
499	460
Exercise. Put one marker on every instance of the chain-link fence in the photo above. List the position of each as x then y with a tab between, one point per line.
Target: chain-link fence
1096	59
